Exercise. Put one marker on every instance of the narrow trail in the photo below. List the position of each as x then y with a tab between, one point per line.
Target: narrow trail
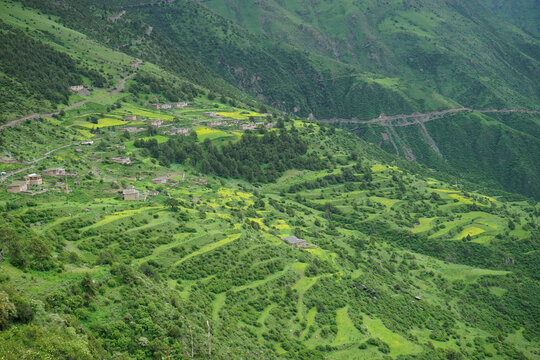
120	87
34	163
418	117
148	32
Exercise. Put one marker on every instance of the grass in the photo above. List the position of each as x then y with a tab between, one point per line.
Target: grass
210	247
398	344
105	122
424	224
347	333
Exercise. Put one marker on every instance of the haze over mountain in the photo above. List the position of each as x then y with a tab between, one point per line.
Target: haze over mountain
322	179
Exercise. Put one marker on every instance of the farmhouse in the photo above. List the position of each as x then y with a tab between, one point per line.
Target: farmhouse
124	160
294	241
76	88
131	194
270	125
211	114
181	104
175	130
132	129
34	179
251	126
55	172
17	187
156	123
130	117
89	142
216	123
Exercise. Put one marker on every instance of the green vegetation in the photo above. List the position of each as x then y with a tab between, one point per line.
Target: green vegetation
164	239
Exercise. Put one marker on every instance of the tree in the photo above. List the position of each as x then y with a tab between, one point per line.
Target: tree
173	204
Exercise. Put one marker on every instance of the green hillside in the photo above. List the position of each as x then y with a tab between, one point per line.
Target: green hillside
523	13
136	231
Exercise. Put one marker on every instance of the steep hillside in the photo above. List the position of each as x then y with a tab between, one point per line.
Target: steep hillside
162	233
523	13
455	48
397	263
500	150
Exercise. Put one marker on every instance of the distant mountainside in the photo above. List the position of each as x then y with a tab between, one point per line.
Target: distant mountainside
455	48
523	13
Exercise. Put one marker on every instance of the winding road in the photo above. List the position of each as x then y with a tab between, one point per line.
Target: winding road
418	117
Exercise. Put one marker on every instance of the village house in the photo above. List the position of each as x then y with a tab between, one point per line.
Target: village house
17	187
270	125
55	172
165	106
216	123
89	142
175	131
249	126
156	123
211	114
132	129
34	179
294	241
180	105
131	194
161	180
76	88
130	117
124	160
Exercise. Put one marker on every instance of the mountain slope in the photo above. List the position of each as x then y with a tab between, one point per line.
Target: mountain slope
523	13
455	48
400	260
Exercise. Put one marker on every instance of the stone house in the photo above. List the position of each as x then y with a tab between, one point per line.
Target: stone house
55	172
17	187
156	123
76	88
124	160
89	142
180	105
250	126
132	129
175	130
217	123
294	241
34	179
131	195
130	117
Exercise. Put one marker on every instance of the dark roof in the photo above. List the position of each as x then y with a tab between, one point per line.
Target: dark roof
293	240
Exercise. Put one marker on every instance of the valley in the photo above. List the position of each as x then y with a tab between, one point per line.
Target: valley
175	185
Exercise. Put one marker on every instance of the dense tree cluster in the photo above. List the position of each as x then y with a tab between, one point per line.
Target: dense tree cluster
255	158
38	70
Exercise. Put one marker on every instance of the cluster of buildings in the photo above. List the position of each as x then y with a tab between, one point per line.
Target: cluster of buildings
33	182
